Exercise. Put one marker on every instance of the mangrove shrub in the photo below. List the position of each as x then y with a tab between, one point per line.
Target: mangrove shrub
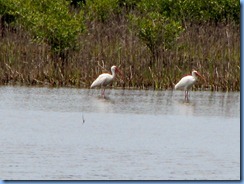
48	21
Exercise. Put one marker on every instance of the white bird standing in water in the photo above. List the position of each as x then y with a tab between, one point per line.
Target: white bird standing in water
187	82
105	79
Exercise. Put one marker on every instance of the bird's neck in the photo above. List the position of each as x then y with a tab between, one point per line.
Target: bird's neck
194	76
113	74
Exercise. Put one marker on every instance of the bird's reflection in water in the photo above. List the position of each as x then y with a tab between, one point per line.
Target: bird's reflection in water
186	101
186	107
104	104
106	99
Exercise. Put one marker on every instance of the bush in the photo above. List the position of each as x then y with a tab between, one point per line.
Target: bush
157	31
52	22
202	11
49	21
100	10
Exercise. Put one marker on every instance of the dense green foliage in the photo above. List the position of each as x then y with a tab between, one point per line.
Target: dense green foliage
159	22
100	10
49	21
195	11
156	31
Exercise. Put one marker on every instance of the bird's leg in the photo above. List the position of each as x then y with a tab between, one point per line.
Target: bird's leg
103	92
187	95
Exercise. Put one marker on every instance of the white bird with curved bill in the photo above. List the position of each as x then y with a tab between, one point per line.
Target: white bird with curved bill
105	79
188	81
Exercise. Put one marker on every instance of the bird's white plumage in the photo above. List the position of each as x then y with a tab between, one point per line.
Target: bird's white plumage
102	80
105	79
187	82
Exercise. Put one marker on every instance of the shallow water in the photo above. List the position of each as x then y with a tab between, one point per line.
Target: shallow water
74	134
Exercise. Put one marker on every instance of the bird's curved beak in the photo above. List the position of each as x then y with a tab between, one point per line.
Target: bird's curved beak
198	74
119	72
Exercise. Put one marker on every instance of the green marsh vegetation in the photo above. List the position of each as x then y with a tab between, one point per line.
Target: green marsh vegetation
154	43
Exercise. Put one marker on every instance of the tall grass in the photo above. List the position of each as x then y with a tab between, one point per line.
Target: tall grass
212	49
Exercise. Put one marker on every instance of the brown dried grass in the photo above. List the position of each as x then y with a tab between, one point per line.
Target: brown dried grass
213	50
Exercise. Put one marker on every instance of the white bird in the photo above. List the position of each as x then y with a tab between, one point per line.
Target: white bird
105	79
188	81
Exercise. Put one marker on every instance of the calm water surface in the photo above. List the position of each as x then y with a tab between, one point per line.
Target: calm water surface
74	134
